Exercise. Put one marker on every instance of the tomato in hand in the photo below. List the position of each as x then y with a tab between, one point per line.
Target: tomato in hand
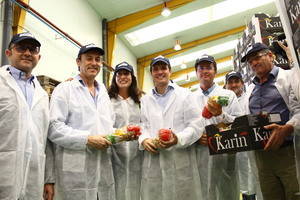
165	134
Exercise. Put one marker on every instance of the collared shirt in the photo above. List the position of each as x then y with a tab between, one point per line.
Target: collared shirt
95	97
209	90
26	84
162	99
266	97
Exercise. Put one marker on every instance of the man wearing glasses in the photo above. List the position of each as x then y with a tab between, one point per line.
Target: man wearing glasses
24	120
81	116
271	92
218	173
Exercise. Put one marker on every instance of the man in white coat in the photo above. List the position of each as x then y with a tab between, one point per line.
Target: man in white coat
169	170
271	92
24	121
218	173
80	117
248	177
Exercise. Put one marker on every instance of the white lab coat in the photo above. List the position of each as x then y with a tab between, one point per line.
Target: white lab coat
126	156
23	140
284	86
171	174
82	173
218	173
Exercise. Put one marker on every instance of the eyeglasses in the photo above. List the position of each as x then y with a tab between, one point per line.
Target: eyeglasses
256	57
22	49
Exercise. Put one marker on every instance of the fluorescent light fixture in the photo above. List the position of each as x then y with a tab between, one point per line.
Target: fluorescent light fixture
192	19
210	51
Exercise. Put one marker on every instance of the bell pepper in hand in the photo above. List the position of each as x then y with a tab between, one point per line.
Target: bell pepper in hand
136	130
221	100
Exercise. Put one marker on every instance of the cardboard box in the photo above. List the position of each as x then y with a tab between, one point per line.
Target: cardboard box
246	133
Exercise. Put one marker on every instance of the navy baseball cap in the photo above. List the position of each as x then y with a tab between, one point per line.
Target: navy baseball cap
90	47
160	59
125	66
256	47
205	57
233	74
24	36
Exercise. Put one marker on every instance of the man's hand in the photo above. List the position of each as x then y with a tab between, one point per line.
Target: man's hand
48	191
214	108
98	142
149	145
166	144
278	135
203	139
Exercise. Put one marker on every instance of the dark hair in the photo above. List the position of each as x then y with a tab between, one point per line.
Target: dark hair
134	92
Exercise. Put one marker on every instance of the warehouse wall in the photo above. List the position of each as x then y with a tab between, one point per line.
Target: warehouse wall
75	17
122	53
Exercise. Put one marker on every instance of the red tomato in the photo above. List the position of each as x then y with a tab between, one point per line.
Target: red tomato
164	134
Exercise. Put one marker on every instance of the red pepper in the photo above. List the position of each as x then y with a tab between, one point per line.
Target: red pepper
164	134
206	114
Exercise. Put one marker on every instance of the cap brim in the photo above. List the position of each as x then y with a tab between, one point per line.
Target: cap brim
125	68
230	76
33	40
101	51
163	61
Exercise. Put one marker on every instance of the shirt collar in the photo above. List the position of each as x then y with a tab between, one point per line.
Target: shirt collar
209	90
96	84
170	87
272	75
18	74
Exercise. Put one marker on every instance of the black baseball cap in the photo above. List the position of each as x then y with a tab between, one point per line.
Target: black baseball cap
160	59
233	74
24	36
125	66
256	47
205	57
90	47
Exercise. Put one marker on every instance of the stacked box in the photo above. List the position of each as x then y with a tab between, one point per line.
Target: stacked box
261	28
48	83
293	11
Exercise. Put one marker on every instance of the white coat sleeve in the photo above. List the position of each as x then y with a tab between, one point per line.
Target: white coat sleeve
231	111
59	132
145	125
49	165
194	123
294	107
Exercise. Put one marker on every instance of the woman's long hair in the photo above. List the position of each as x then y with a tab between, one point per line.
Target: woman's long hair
134	92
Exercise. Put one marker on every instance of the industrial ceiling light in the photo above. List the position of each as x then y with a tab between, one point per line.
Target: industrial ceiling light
177	46
183	65
165	11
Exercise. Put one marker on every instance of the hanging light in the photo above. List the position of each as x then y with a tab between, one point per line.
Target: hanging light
183	65
165	11
177	46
